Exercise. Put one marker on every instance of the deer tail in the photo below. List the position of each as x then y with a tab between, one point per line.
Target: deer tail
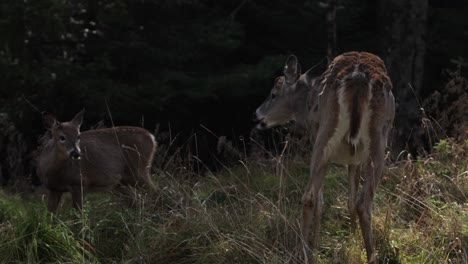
357	89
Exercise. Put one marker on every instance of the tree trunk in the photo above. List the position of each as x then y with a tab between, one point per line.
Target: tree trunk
15	163
331	30
402	28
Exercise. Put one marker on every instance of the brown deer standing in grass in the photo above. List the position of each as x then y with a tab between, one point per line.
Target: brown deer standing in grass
96	160
349	112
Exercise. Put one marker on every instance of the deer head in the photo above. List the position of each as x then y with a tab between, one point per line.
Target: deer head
287	100
65	136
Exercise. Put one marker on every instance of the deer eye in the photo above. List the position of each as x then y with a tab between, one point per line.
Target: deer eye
62	138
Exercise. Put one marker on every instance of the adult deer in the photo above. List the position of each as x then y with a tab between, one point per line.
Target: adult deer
95	160
349	111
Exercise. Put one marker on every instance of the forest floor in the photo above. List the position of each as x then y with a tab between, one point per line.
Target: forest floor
249	213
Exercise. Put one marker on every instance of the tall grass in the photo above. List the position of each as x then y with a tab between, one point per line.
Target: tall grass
248	213
29	234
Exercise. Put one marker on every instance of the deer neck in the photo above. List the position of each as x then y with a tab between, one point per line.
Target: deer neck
54	164
301	110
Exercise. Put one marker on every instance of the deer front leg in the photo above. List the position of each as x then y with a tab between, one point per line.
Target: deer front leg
312	200
311	214
354	174
53	200
77	198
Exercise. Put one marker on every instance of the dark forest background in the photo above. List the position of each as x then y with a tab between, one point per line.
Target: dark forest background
201	67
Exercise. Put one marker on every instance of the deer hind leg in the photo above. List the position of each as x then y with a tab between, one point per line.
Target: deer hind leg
354	174
53	200
145	176
138	171
127	187
129	195
373	169
137	183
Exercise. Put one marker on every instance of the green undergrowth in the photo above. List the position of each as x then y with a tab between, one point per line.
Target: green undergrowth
249	213
29	234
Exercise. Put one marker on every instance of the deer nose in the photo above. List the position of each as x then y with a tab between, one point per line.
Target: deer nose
75	154
261	125
255	117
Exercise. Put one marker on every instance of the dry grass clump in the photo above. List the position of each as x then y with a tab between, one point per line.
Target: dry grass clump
448	108
427	220
249	213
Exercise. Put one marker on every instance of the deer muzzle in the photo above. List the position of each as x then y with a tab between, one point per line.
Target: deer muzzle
258	118
75	154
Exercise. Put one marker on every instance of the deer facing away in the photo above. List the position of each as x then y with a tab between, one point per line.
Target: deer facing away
95	160
349	111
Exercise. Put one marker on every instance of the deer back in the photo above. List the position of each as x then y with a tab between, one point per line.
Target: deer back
116	155
96	159
352	97
355	98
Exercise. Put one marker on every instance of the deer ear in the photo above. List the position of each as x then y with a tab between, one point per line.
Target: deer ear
78	119
292	69
279	82
48	120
